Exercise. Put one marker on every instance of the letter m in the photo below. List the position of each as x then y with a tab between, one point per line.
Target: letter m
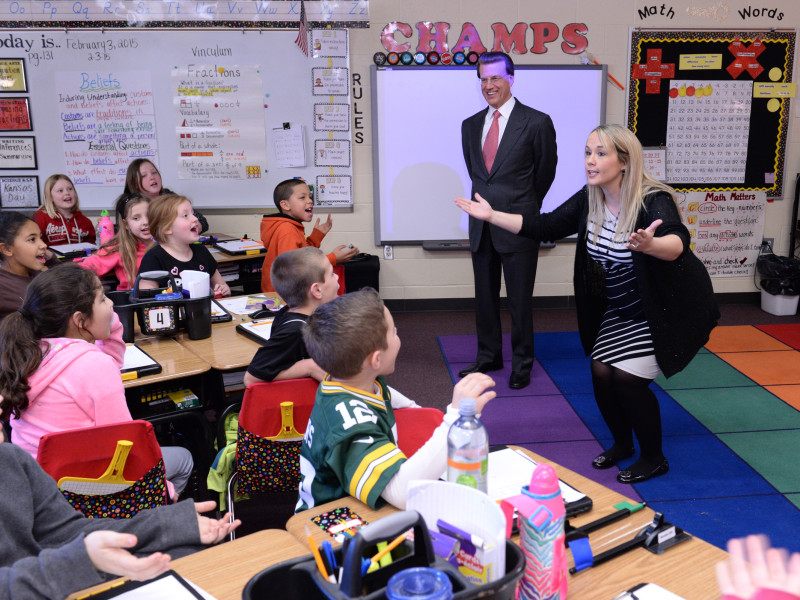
505	41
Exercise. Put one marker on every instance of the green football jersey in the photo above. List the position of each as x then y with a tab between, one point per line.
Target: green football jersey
349	447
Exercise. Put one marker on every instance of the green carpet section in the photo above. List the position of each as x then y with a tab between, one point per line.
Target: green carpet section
705	371
772	453
740	409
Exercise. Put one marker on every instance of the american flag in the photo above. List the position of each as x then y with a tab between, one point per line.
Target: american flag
302	33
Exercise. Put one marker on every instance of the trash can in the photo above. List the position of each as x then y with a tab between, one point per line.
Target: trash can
780	283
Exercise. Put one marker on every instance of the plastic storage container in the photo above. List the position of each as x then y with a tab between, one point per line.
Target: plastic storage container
778	304
299	579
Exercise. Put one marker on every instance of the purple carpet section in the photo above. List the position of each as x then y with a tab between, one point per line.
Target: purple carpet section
537	417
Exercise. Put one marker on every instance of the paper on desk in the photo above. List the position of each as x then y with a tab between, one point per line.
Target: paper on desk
246	305
69	248
164	588
198	283
509	470
468	509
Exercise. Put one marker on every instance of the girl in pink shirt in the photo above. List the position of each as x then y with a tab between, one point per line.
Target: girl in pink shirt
123	253
60	355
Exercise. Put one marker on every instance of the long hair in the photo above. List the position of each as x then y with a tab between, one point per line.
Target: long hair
10	224
48	204
124	241
637	183
52	298
132	179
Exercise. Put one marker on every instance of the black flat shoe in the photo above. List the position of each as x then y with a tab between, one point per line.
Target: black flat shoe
628	476
517	381
604	461
481	367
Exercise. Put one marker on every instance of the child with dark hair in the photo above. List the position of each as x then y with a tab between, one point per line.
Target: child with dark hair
304	278
124	252
285	231
23	254
350	445
60	355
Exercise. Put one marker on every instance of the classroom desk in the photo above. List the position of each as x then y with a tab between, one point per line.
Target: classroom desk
176	361
686	569
225	349
225	569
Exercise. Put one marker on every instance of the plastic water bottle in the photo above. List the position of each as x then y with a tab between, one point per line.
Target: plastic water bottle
541	517
105	228
468	448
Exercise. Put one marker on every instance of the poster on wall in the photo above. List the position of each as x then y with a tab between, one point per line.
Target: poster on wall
17	152
12	75
15	115
19	192
726	229
219	121
107	119
718	101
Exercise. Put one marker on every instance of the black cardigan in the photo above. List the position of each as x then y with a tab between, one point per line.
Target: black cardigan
677	296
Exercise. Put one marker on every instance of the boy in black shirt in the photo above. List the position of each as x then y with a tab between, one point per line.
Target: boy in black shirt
304	278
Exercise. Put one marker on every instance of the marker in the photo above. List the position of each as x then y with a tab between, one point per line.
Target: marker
459	534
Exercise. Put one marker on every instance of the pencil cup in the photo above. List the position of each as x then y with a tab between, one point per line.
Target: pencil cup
197	312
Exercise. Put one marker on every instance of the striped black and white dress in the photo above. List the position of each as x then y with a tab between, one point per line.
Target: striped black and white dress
624	339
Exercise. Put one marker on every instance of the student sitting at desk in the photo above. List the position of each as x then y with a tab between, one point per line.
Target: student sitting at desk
350	443
177	230
23	255
284	231
124	252
143	177
60	217
51	550
60	355
304	279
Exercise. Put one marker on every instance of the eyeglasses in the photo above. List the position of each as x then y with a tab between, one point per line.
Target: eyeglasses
494	80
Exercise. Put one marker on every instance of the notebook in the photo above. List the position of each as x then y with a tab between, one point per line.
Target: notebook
258	330
241	247
138	363
219	314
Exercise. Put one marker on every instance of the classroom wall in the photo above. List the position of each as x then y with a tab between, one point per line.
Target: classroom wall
418	274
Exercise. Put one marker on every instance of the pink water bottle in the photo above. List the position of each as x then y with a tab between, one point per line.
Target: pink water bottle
105	228
541	523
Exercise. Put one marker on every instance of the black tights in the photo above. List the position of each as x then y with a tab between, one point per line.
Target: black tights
628	406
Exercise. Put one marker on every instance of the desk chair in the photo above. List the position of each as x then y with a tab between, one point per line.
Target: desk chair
87	453
268	439
415	427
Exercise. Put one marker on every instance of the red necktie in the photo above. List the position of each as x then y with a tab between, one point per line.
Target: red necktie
490	145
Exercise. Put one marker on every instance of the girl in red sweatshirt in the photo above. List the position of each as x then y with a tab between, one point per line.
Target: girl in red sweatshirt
59	217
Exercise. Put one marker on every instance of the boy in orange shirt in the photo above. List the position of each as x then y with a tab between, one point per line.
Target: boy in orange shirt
285	231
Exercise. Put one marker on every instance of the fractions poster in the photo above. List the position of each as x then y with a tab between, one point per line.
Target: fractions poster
718	101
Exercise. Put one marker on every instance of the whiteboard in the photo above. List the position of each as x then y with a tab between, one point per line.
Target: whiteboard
418	162
279	82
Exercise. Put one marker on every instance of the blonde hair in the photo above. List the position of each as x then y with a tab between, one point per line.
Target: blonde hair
637	183
48	205
124	241
161	214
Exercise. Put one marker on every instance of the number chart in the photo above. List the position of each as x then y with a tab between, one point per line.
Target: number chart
707	131
718	101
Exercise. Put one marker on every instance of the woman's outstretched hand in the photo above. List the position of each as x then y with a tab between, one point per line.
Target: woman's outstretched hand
479	208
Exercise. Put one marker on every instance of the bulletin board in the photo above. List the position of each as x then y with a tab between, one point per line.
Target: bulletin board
718	102
224	114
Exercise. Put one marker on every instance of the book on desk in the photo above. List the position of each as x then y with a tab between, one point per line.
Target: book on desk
138	363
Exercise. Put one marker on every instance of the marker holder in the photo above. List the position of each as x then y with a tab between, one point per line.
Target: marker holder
161	317
300	579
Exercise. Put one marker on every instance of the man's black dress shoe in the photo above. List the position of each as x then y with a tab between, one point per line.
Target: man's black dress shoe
517	381
628	476
603	461
481	367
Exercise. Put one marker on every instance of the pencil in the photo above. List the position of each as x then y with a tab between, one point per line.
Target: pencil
318	557
392	545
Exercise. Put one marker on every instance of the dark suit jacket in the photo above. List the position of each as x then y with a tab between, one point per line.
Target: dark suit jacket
523	171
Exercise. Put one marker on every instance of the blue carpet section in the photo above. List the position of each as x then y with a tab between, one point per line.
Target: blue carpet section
728	440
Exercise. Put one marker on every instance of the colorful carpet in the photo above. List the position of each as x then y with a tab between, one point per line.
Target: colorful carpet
731	426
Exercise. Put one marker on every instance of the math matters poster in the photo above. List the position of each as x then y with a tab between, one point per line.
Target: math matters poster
726	228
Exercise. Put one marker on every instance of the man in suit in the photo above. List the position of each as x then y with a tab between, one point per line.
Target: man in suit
510	151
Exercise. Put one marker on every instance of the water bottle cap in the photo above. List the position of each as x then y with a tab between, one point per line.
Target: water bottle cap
544	480
419	583
467	407
104	213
